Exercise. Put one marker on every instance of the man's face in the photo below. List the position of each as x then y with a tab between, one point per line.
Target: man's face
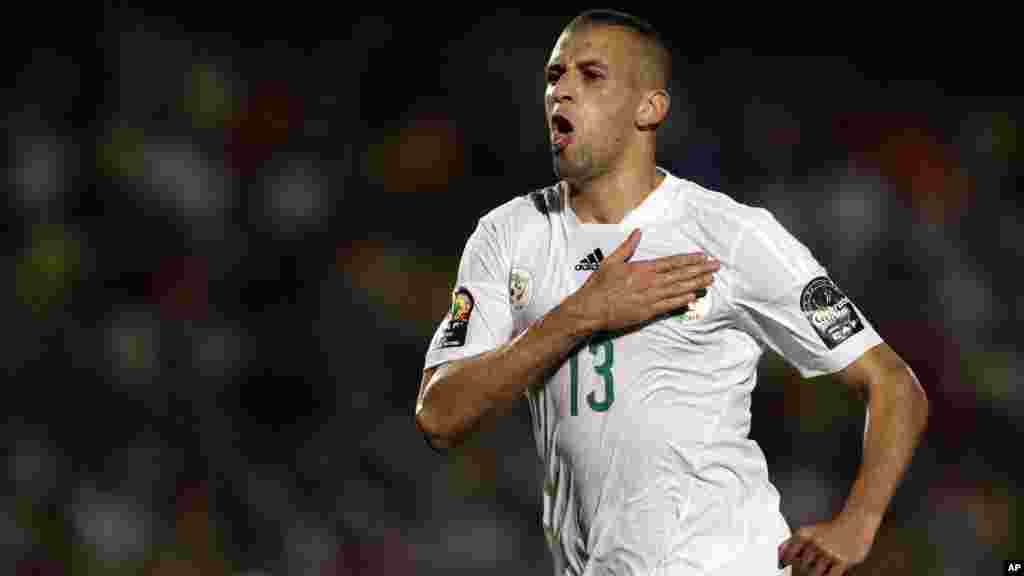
590	100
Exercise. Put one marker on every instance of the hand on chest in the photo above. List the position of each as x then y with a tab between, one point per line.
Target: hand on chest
541	281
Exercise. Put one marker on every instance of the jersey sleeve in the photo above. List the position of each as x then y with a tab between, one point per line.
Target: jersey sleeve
788	301
479	317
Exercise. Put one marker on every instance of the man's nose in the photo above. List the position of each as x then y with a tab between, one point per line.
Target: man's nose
563	90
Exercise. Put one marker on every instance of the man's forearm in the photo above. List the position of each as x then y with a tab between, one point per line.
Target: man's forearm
457	398
897	417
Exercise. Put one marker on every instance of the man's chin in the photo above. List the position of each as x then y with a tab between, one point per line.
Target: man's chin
566	169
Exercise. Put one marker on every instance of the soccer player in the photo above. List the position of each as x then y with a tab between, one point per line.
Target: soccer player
630	307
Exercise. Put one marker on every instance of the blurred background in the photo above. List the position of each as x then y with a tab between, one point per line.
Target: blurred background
229	236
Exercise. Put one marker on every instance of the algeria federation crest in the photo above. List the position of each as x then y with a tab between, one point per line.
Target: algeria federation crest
697	310
520	288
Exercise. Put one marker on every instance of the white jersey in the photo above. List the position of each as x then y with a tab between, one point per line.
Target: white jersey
644	435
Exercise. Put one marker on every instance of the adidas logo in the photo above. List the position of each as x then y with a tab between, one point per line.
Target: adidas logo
592	261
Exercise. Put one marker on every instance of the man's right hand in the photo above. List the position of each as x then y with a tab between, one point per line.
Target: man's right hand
622	294
619	295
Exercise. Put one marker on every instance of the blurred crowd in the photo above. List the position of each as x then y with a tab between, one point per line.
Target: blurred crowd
227	246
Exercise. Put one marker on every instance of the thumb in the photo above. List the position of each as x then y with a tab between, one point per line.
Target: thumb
626	250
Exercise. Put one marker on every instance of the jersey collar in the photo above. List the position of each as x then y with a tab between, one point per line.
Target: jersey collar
654	207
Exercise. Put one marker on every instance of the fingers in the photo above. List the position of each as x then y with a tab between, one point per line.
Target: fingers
838	569
791	550
820	565
625	250
678	281
675	262
689	289
810	558
673	303
696	277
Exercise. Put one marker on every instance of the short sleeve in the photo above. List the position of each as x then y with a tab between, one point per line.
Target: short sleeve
479	317
787	301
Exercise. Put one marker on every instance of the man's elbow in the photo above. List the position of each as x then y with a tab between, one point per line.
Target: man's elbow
439	439
923	404
916	398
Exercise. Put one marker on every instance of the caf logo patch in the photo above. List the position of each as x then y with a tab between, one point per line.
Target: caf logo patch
458	318
829	311
519	288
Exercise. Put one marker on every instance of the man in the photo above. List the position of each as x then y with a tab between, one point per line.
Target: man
630	307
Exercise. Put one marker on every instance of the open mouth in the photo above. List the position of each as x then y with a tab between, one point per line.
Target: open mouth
561	132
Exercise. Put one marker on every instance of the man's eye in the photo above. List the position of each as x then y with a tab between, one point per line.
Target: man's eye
590	75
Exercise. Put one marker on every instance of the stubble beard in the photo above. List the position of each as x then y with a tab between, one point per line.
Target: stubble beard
574	166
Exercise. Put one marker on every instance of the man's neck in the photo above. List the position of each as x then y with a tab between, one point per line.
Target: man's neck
607	199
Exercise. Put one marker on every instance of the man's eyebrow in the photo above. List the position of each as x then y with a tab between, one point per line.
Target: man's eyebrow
589	63
592	62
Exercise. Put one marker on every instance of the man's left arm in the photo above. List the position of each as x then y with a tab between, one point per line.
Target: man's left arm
897	414
788	301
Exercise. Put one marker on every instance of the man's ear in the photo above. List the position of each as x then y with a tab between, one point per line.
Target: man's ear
653	109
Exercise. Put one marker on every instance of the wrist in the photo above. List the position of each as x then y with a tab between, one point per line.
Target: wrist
867	522
581	320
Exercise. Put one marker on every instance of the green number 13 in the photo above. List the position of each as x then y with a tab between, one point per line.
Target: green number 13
604	369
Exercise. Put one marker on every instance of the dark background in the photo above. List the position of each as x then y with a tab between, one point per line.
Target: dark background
230	234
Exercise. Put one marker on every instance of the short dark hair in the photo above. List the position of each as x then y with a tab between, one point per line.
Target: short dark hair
660	50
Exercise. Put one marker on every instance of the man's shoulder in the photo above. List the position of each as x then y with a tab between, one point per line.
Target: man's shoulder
536	205
763	236
713	204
